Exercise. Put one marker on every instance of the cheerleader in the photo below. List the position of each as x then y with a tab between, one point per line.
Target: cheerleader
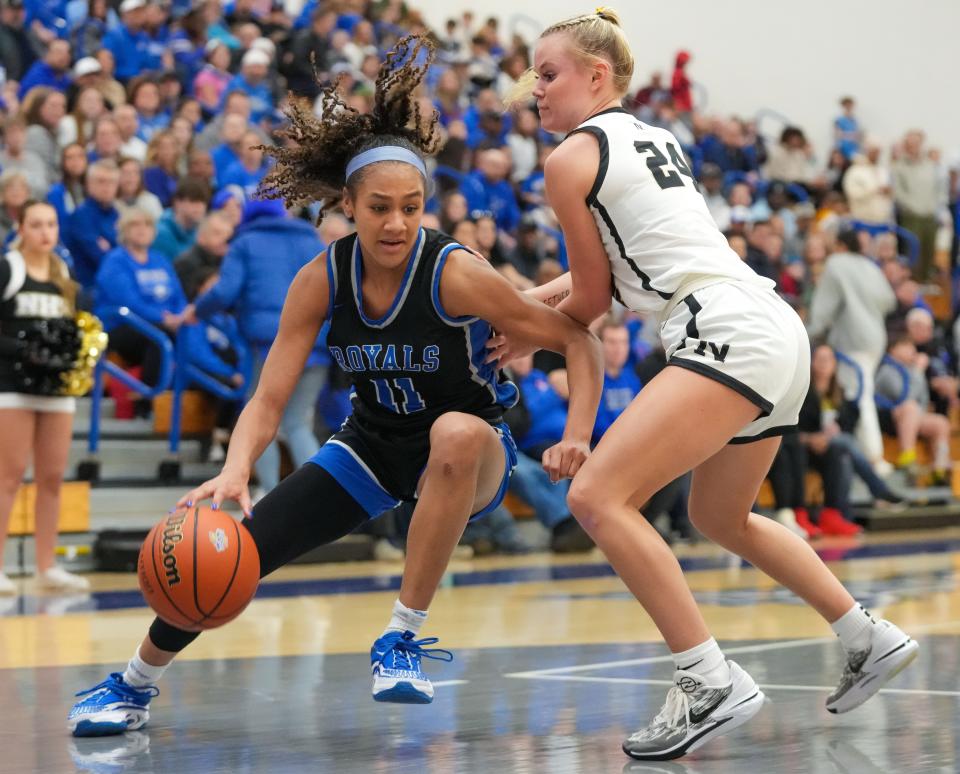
37	299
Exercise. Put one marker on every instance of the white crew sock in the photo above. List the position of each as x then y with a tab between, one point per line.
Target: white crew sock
140	674
854	628
941	456
706	660
405	619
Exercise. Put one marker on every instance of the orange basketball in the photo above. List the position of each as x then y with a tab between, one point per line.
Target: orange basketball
198	569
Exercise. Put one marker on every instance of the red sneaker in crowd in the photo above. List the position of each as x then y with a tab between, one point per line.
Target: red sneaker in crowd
803	521
833	523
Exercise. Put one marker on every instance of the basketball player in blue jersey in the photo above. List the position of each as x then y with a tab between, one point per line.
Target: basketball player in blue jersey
410	312
637	228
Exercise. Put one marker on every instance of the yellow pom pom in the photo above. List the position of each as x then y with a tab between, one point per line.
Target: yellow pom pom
93	343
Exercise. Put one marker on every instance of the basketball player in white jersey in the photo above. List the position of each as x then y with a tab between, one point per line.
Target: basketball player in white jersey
637	228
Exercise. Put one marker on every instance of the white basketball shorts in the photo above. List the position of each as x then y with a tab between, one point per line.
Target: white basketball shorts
749	339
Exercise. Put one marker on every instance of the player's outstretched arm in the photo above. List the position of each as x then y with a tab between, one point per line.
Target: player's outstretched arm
570	173
584	292
303	313
553	292
470	287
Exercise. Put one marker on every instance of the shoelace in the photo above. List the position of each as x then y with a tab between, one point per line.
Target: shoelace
676	706
114	683
403	648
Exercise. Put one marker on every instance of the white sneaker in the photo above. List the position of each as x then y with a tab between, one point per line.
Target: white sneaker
695	713
882	468
385	551
7	587
866	671
788	519
58	579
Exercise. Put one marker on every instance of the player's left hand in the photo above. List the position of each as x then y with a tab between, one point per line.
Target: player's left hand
502	350
564	459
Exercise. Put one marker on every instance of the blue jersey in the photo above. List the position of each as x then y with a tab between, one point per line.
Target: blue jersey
548	411
416	362
618	392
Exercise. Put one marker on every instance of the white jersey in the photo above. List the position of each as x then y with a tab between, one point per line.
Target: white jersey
654	223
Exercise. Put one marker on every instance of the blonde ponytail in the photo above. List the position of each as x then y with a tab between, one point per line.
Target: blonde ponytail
60	276
522	91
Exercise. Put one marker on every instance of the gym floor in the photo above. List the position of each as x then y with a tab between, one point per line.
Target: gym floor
555	665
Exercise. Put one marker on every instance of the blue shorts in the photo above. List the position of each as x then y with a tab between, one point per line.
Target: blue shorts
380	470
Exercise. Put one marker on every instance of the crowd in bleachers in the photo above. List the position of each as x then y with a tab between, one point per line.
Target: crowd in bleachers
140	123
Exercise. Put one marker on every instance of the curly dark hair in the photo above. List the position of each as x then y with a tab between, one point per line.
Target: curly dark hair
313	167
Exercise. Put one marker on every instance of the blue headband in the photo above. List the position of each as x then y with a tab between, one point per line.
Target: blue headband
386	153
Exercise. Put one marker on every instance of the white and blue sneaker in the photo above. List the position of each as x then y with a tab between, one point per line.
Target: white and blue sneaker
111	707
112	755
397	676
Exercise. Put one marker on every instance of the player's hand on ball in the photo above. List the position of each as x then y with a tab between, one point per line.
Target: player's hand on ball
565	458
229	485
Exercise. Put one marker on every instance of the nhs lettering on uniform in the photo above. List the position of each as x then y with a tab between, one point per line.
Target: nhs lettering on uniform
44	306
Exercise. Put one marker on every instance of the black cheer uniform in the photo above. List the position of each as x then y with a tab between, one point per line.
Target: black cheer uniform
25	305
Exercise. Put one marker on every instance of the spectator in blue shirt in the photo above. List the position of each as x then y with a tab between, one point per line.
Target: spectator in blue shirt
128	42
159	56
729	149
213	346
162	172
846	130
489	132
307	14
53	70
50	14
548	409
145	97
207	346
137	277
620	384
107	140
187	44
92	228
177	229
143	281
486	102
250	169
89	32
488	190
227	153
68	194
252	80
532	484
269	248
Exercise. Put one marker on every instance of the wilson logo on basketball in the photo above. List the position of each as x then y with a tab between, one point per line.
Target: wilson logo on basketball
219	539
172	534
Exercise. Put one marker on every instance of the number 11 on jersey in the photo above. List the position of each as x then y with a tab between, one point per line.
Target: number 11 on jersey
387	390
